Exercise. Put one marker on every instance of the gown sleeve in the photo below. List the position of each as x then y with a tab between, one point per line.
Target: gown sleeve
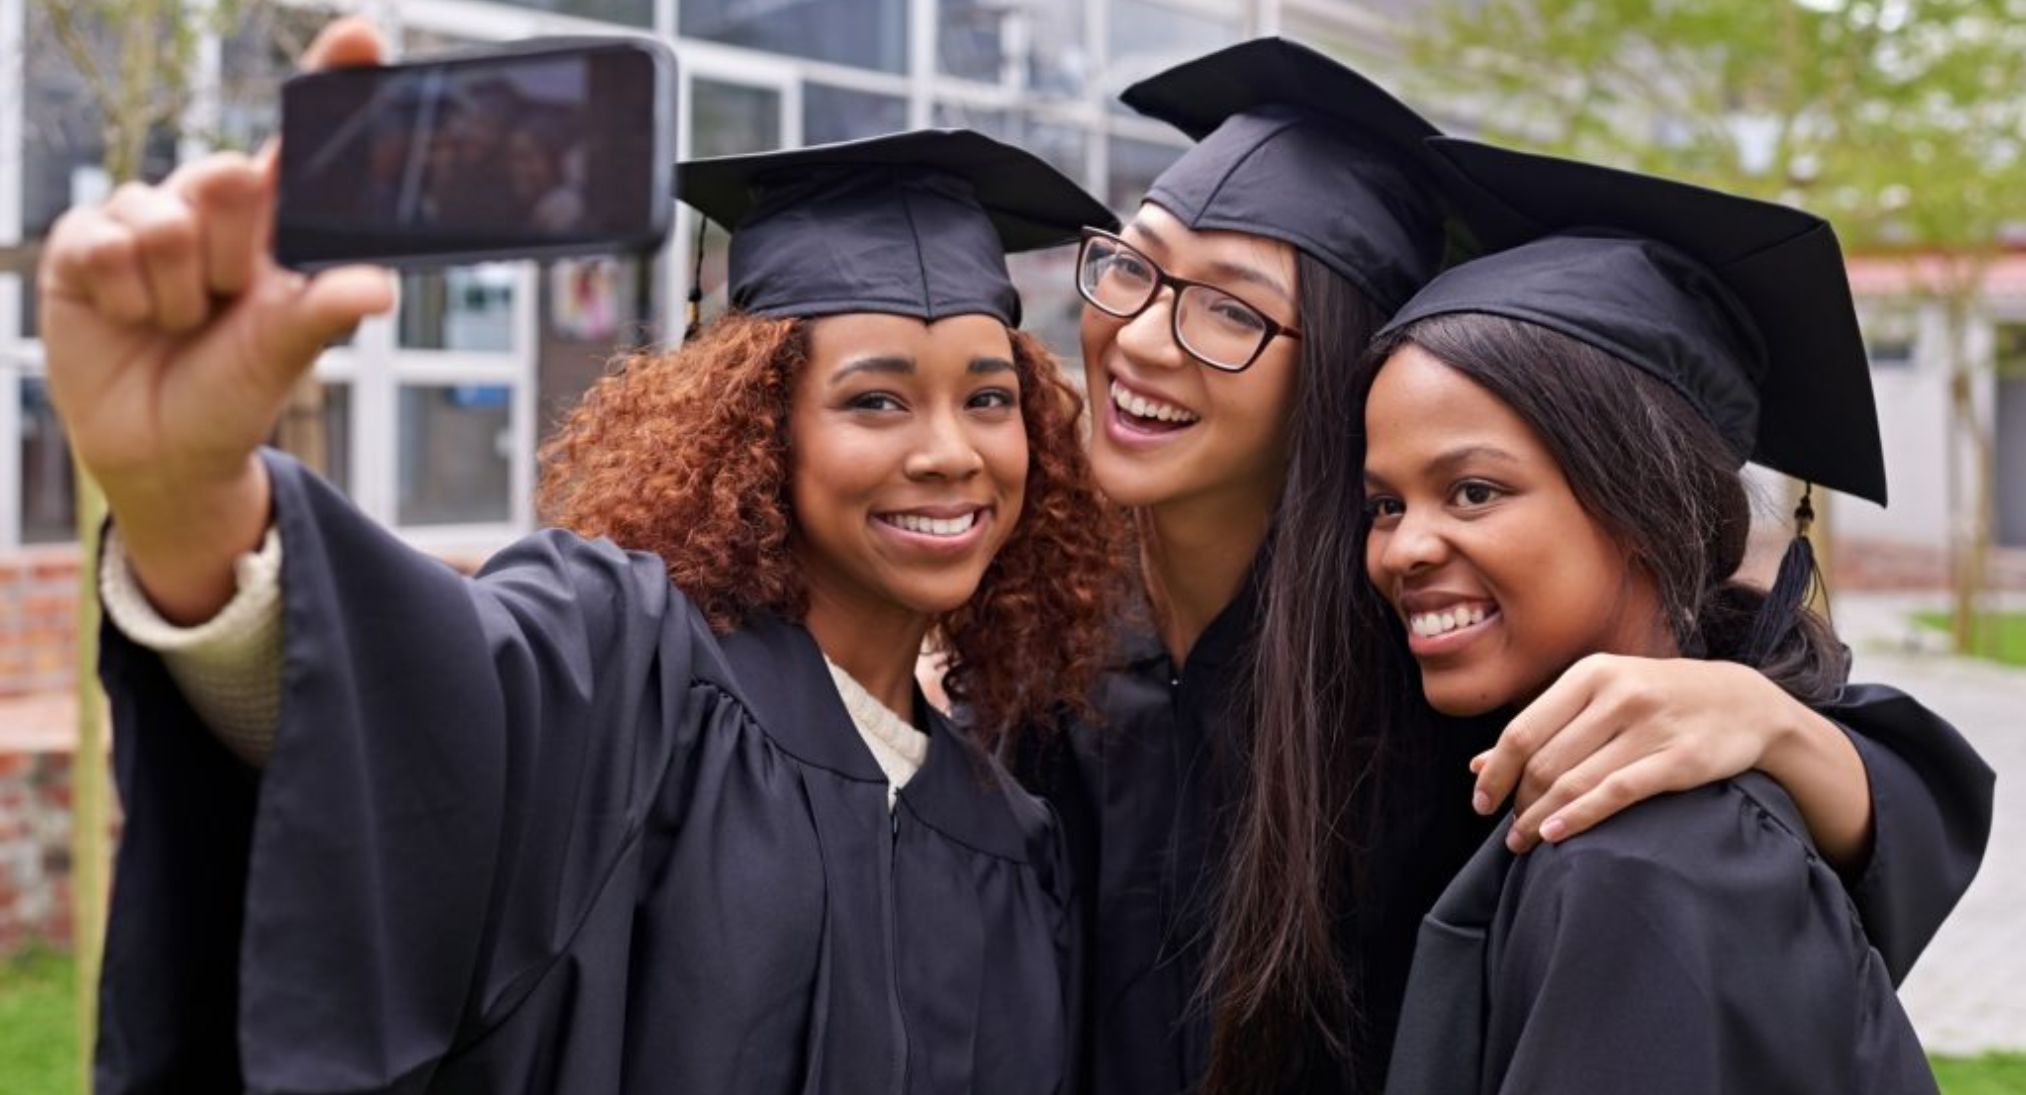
462	766
1931	811
1694	944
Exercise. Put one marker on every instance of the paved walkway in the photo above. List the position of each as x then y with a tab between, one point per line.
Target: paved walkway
1968	992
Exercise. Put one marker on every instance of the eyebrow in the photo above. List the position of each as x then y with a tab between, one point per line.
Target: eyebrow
895	365
1224	268
1448	462
884	363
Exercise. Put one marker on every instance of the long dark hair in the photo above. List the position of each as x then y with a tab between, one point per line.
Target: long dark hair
1339	704
1272	975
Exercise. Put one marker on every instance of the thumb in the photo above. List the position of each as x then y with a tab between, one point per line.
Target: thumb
327	306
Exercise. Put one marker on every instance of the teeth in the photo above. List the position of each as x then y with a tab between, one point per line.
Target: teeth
932	526
1135	404
1430	624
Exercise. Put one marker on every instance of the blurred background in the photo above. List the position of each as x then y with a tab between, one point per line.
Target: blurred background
1901	120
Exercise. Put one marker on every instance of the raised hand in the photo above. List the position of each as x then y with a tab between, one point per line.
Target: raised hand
172	341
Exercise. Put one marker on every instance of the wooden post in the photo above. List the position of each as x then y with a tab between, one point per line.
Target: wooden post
90	854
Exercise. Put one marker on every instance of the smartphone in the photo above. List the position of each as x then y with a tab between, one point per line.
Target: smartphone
542	148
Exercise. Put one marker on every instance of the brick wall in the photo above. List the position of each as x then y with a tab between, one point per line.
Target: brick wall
35	831
38	620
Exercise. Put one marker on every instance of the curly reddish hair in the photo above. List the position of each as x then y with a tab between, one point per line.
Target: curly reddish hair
685	454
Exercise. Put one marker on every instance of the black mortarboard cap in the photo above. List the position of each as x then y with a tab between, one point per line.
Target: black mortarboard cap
1294	146
1742	306
916	224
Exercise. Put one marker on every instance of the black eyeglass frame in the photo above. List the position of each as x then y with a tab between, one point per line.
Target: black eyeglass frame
1162	278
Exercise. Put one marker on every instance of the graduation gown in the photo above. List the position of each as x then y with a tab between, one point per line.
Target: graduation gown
1692	945
1148	789
541	831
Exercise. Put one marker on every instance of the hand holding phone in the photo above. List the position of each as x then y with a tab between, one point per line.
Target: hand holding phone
544	148
172	341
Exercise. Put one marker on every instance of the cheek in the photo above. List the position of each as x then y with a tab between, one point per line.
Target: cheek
1253	408
1096	333
836	468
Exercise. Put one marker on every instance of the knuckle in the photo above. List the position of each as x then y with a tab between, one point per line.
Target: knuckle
170	235
1574	785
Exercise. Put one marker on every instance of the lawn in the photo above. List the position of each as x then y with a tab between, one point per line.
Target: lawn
38	1034
38	1045
2002	638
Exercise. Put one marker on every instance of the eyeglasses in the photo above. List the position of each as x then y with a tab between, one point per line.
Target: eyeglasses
1213	326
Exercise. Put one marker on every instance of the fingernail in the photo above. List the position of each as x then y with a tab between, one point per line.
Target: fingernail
1514	842
1553	829
1477	764
1481	802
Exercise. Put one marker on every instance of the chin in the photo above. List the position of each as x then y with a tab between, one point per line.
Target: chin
937	598
1463	695
1126	482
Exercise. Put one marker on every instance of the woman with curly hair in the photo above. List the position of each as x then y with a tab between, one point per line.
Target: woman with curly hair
658	810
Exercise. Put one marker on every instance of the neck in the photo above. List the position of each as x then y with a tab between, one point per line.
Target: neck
1194	556
876	643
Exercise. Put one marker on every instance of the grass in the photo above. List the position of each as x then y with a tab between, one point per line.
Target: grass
38	1032
1991	1074
38	1047
2001	635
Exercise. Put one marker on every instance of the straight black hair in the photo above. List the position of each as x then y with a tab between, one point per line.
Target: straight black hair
1340	719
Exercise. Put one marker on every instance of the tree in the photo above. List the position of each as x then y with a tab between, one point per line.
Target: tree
1899	120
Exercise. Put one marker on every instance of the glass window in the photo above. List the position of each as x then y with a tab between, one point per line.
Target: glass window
463	308
865	33
842	114
1037	44
63	139
316	428
592	309
48	489
634	13
726	119
1134	165
456	448
253	62
1050	308
1060	145
1146	37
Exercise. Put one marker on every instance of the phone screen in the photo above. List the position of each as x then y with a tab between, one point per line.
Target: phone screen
534	152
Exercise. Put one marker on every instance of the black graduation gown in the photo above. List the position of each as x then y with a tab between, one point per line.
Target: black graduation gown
1692	945
1146	791
540	831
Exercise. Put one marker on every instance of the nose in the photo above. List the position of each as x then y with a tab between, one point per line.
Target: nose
1148	339
1414	544
944	450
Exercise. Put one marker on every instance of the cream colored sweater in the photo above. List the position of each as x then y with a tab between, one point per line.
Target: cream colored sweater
229	667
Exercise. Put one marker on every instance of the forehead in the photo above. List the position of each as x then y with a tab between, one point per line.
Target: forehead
1420	408
835	340
1186	249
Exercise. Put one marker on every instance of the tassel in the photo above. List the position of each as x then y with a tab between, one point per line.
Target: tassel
1790	587
692	312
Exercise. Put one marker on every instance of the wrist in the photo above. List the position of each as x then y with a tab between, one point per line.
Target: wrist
182	538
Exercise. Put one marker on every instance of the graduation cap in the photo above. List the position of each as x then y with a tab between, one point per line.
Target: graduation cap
915	224
1296	147
1742	306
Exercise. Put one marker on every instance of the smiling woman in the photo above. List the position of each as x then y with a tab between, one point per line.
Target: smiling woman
651	802
1553	442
